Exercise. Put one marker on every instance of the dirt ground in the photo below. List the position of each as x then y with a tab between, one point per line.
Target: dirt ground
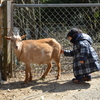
51	89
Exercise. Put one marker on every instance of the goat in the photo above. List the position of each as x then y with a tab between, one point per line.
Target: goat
41	51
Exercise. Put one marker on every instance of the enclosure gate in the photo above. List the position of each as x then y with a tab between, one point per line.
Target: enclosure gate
53	20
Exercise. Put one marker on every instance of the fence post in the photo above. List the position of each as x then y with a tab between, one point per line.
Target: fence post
1	42
7	61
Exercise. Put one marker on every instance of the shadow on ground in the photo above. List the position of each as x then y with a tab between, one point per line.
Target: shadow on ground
46	86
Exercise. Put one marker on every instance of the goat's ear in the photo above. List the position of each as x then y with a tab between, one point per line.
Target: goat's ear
22	37
8	38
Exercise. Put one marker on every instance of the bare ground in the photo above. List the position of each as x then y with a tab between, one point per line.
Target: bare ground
51	89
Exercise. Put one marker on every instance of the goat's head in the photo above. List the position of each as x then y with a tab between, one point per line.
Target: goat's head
15	39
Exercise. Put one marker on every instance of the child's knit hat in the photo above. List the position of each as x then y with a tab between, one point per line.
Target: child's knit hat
73	31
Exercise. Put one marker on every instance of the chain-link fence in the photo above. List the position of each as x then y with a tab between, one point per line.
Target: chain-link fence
53	21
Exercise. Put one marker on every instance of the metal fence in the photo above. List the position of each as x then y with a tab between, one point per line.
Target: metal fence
54	20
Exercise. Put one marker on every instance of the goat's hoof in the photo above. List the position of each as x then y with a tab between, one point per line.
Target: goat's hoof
42	78
25	82
30	80
57	77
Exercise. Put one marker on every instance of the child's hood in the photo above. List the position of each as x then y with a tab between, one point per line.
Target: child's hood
85	37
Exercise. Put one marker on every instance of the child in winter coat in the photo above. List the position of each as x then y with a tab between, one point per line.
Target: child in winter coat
85	59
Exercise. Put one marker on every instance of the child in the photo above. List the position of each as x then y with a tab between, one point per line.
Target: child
85	59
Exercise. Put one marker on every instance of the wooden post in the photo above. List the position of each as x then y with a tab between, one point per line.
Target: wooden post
1	43
7	62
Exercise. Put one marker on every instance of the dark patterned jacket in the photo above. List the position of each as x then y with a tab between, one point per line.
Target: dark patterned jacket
83	51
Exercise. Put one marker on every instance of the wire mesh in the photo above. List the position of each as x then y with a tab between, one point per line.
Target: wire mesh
54	22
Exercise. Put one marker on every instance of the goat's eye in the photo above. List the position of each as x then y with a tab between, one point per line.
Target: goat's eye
11	40
16	47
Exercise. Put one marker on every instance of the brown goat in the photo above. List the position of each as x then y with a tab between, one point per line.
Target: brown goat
40	51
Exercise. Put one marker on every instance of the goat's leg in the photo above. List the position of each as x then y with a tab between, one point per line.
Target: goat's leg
27	71
57	60
47	70
59	70
30	78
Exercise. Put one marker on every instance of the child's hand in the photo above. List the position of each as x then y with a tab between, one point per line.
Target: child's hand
82	62
62	52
